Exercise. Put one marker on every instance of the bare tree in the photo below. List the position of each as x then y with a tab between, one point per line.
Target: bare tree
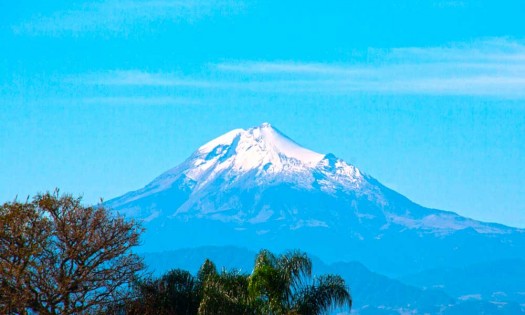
59	257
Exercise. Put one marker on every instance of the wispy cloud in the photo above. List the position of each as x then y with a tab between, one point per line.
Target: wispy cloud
110	100
138	78
490	68
120	16
137	100
265	67
489	50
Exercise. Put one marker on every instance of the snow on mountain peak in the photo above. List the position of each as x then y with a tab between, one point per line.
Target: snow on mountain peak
258	157
261	155
275	140
225	139
257	144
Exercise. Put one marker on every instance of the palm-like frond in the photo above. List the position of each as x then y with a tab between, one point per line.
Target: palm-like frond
295	267
226	293
180	292
275	280
278	285
208	269
266	286
176	292
325	294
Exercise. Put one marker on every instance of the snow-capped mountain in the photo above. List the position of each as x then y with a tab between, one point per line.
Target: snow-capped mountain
258	188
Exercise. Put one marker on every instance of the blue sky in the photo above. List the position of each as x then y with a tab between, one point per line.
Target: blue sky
99	97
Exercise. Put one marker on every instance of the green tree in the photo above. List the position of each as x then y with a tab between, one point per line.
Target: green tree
282	285
323	294
176	292
278	285
179	293
225	292
60	257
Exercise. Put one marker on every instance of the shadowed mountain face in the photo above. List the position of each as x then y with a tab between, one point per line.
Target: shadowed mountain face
257	188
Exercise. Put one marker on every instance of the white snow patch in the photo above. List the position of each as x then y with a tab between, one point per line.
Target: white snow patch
154	214
225	139
308	223
444	222
316	223
285	145
262	216
470	297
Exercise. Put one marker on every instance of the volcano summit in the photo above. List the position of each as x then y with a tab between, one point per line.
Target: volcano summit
257	188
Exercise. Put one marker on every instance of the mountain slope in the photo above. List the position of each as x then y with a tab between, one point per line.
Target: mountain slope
258	188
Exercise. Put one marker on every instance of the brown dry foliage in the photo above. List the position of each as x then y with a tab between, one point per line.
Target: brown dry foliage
59	257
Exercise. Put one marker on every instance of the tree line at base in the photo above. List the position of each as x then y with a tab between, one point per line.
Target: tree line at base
60	257
277	285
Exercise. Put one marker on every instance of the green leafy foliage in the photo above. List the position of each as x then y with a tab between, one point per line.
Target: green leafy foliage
277	285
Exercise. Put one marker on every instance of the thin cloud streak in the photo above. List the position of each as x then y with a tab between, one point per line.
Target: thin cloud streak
495	68
109	100
138	78
138	100
489	50
490	68
289	68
